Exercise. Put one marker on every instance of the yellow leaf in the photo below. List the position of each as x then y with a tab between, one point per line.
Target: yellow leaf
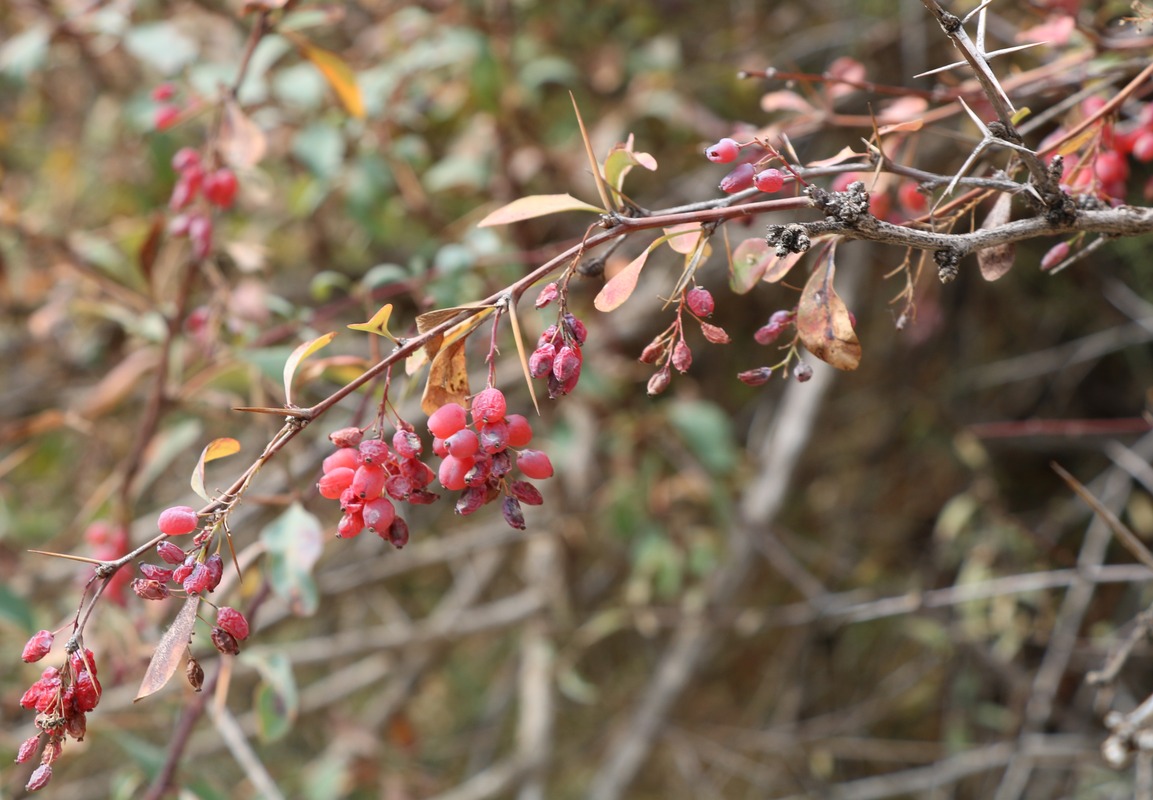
299	354
378	324
823	322
217	448
447	378
338	74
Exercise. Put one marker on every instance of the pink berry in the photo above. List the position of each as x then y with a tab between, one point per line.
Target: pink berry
700	301
344	457
351	524
494	437
447	420
755	377
488	406
462	444
186	158
368	481
769	180
1143	147
374	452
163	91
165	116
27	749
406	443
39	778
547	295
178	520
512	512
567	363
541	361
170	553
232	621
200	233
519	430
723	152
38	646
197	580
534	464
220	187
453	470
738	180
1057	253
378	514
1111	167
332	484
682	357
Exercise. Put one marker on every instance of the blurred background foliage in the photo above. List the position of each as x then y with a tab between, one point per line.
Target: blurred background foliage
409	677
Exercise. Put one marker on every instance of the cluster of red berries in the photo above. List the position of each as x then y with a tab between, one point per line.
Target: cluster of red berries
745	175
366	476
62	698
557	357
217	187
669	350
166	114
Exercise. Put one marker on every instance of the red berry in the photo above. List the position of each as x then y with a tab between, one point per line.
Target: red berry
406	443
769	180
471	500
567	363
27	749
185	159
575	329
452	471
344	457
447	420
86	661
534	464
147	589
540	363
170	553
547	295
488	406
700	301
162	92
178	520
519	430
165	116
494	437
155	573
185	191
39	778
1143	147
912	199
526	493
87	691
1111	167
215	565
368	481
232	621
38	646
398	533
197	580
378	515
723	152
351	524
200	233
462	444
738	180
346	437
220	187
332	484
374	452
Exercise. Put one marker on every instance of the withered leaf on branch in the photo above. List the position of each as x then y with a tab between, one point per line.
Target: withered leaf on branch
823	321
447	378
996	261
170	650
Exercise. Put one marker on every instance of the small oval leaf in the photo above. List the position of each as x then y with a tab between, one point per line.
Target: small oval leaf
823	321
217	448
536	205
749	262
620	286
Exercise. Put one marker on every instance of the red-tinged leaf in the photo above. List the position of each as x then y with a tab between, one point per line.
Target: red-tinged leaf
749	262
536	205
338	74
903	110
622	159
684	238
785	100
845	154
378	324
911	125
241	143
620	286
997	260
823	321
299	354
217	448
170	650
780	267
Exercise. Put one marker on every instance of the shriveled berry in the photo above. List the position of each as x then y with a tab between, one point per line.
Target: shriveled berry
423	497
224	641
802	372
488	406
519	430
38	646
682	357
43	773
76	725
547	295
398	487
512	512
534	464
373	452
378	514
738	180
1056	254
462	444
184	570
769	180
398	533
220	187
494	437
653	351
27	749
406	444
194	673
87	691
540	363
368	481
345	457
333	483
723	152
350	525
447	420
659	381
215	565
575	329
87	661
700	301
350	502
470	501
452	471
526	493
549	335
755	377
501	464
197	580
155	573
715	333
178	520
346	437
567	363
418	472
147	589
232	621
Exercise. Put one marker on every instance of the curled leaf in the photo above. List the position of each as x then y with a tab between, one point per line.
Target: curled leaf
378	324
170	650
447	378
823	321
620	286
217	448
299	354
338	74
535	205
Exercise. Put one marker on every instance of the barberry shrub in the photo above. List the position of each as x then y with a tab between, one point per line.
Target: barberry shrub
628	496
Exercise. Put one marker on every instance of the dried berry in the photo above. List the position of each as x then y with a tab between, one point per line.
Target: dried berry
526	493
512	512
197	580
755	377
215	565
170	553
232	621
38	646
194	673
406	443
540	363
488	406
43	773
575	329
470	501
154	573
659	381
147	589
224	641
682	357
373	452
547	295
567	363
346	437
27	749
700	301
398	533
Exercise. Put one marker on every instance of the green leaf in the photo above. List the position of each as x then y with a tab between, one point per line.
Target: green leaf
294	541
707	431
536	205
162	46
276	701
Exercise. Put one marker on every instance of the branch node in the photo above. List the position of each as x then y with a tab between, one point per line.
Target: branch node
788	239
948	263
